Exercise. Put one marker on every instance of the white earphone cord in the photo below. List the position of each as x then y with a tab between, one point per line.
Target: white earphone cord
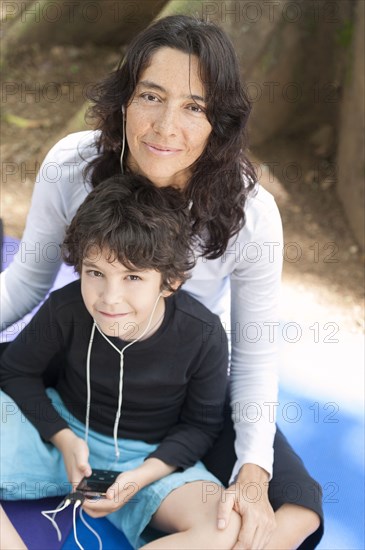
120	396
123	142
64	504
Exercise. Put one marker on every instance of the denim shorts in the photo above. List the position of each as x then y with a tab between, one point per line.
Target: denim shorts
31	468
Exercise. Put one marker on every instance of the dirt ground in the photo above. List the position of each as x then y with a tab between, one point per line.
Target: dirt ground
41	92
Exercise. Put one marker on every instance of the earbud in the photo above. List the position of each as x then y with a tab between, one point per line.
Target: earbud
123	110
165	292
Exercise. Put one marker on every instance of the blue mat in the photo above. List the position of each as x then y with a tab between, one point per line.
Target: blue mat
39	534
330	442
111	537
36	531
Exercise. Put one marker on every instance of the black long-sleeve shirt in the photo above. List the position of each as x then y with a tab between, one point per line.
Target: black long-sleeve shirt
173	383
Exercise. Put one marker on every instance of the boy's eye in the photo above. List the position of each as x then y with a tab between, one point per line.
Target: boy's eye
94	273
133	278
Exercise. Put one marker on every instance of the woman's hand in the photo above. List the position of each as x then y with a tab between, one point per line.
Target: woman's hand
75	454
249	497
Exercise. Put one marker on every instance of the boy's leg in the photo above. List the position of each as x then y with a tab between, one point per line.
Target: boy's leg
191	515
29	467
295	496
293	525
9	538
291	484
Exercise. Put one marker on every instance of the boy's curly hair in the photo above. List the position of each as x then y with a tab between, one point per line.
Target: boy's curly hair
140	225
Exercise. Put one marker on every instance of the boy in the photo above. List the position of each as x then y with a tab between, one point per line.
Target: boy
143	384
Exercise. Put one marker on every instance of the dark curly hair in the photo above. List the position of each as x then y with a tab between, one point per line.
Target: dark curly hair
138	224
223	176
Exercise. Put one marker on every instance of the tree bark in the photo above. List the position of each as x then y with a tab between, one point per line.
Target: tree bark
76	22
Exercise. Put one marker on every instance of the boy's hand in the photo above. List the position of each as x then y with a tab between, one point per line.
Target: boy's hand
75	454
123	489
127	485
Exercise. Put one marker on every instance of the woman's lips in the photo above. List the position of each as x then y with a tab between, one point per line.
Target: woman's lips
161	150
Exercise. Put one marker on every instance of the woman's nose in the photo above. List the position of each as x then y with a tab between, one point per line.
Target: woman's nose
167	121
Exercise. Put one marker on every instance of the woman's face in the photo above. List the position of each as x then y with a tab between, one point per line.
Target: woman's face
166	125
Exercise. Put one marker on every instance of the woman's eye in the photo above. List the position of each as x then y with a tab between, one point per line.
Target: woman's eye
195	108
150	98
133	278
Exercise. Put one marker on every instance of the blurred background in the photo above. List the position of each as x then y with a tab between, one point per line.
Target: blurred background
303	64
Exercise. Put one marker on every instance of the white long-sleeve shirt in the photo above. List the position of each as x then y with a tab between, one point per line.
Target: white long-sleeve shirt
250	269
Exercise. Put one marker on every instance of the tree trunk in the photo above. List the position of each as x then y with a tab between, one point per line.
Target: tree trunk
75	22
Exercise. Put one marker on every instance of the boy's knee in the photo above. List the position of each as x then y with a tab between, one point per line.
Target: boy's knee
230	533
225	538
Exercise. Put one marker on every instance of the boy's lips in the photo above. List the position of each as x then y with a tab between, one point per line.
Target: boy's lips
113	315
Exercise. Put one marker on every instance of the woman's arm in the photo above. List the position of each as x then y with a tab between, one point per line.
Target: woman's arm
255	286
255	290
59	190
251	270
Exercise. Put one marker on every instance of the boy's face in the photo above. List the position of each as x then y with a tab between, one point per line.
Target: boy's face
120	300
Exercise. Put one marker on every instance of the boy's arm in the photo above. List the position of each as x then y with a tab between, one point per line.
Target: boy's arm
151	470
22	365
127	485
201	418
75	453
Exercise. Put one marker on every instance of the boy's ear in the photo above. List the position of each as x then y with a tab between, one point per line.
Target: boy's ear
165	292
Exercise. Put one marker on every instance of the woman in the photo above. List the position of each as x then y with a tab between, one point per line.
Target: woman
175	111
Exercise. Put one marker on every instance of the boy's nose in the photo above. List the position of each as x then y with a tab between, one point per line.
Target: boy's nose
112	294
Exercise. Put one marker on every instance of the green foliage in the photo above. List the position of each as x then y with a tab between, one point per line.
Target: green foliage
182	7
345	34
